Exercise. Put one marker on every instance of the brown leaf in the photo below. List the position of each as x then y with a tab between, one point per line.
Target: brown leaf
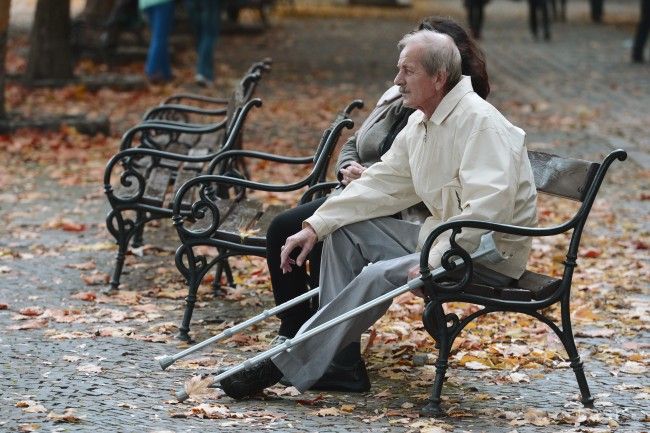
31	311
29	324
328	411
310	402
67	416
31	406
85	266
96	278
4	306
85	296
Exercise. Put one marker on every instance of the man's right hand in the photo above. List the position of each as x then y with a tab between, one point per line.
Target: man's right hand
305	239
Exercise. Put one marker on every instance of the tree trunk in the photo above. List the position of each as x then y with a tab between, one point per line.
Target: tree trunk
4	26
50	51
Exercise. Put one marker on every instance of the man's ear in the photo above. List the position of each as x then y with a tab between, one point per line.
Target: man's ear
440	82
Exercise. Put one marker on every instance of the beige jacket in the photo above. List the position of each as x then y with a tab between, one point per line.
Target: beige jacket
465	162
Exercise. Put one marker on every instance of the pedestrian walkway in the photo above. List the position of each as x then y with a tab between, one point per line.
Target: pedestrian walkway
91	357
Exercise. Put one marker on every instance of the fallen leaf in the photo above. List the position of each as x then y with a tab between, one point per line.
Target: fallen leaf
31	406
31	311
96	278
328	411
89	368
29	324
632	367
67	416
71	358
85	296
476	365
85	266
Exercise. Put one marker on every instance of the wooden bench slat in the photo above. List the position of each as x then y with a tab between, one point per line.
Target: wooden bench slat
265	220
157	186
242	217
224	207
530	286
564	177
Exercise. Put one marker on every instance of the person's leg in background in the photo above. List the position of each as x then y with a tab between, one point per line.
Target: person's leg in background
158	65
642	30
532	17
209	32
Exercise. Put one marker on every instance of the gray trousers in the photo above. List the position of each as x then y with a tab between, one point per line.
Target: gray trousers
360	262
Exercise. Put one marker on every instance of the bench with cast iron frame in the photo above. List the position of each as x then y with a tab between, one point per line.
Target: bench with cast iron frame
567	178
237	225
148	181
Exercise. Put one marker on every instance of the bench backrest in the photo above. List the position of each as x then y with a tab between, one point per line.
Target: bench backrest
564	177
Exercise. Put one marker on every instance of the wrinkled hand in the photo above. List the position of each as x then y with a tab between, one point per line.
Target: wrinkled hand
351	172
305	239
413	273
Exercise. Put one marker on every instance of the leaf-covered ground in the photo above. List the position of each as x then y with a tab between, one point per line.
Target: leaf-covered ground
508	372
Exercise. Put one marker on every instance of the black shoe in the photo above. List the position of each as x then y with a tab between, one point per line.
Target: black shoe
252	381
344	378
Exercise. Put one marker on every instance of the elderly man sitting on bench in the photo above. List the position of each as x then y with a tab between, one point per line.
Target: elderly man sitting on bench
460	157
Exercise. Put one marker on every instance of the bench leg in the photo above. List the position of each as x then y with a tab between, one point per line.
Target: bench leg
434	319
190	300
138	240
193	269
122	230
576	363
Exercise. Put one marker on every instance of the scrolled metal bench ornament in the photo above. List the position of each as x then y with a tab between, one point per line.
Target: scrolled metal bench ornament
198	212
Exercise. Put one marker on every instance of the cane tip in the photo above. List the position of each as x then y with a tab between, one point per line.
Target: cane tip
182	395
165	361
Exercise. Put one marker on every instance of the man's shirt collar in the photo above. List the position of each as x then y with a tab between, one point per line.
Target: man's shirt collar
451	99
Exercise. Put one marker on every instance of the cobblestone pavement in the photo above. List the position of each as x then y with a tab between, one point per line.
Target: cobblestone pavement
108	374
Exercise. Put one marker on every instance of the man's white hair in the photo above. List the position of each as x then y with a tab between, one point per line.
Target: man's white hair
440	53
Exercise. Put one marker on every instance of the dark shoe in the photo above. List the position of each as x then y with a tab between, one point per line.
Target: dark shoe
344	378
252	381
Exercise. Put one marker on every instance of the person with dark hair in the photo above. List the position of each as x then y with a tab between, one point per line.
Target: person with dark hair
460	157
535	8
364	148
641	32
475	16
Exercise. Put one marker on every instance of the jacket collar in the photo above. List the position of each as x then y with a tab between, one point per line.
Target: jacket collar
451	99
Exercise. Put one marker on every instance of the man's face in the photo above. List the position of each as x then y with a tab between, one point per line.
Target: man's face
419	89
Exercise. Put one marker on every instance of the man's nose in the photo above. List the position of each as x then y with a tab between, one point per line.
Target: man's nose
398	79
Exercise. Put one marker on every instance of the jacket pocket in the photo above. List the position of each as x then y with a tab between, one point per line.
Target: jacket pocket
451	199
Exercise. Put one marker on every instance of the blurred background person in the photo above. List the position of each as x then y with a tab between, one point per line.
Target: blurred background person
160	16
475	16
204	16
641	32
541	7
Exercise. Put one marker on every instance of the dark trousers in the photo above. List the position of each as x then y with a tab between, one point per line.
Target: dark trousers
295	283
541	7
596	10
475	16
641	32
158	65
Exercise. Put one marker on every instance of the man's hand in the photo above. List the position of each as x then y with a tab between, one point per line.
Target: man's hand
351	172
305	239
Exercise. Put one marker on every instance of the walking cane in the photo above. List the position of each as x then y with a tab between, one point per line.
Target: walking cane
167	360
486	249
